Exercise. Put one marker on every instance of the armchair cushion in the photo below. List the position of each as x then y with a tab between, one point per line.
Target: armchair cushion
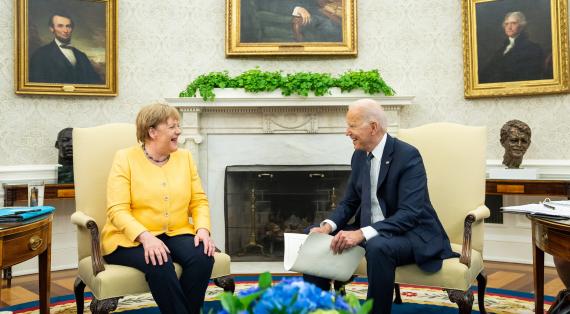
453	274
110	283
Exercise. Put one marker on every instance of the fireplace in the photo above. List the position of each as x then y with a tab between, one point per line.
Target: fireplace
266	129
263	202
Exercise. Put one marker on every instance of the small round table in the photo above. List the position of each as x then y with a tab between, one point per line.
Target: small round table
21	241
550	236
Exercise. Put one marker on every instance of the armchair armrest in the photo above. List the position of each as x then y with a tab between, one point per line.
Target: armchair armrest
84	221
473	216
480	213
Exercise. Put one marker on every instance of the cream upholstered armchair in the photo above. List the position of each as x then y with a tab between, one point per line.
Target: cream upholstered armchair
454	158
93	152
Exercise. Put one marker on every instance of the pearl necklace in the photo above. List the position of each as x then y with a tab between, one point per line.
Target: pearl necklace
155	160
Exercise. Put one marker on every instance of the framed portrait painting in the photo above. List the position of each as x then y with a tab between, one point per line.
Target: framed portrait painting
515	47
66	47
291	27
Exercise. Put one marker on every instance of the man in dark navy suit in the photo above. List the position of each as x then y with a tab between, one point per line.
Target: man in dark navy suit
58	61
387	194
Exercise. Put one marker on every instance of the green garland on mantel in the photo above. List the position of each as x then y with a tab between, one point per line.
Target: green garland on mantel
299	83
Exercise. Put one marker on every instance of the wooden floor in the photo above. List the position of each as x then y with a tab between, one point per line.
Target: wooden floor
509	276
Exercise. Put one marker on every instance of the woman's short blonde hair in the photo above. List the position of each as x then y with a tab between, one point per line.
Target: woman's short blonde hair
152	115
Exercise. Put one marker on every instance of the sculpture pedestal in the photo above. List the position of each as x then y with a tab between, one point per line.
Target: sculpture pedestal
516	174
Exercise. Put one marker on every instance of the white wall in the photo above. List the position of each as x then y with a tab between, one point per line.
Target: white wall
417	45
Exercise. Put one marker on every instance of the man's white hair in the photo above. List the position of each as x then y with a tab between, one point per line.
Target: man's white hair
371	111
519	16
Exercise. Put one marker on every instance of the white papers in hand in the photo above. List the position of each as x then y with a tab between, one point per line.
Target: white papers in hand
312	255
293	242
550	209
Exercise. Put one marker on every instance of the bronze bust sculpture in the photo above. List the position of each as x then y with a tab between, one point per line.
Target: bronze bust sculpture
515	138
64	144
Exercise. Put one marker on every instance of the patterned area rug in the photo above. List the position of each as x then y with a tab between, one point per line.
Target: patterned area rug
416	300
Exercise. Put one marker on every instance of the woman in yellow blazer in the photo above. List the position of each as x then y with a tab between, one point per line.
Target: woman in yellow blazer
158	213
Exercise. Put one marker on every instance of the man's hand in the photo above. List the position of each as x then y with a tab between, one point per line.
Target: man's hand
154	249
326	229
204	236
345	240
305	15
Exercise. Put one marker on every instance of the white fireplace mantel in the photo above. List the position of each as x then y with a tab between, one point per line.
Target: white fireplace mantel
236	112
236	98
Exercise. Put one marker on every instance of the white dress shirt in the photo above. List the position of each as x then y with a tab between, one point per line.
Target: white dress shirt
68	53
510	45
377	214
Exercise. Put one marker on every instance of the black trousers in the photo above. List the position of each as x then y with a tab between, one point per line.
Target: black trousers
171	294
383	255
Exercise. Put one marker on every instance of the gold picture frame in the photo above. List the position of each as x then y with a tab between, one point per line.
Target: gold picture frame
534	62
291	28
66	47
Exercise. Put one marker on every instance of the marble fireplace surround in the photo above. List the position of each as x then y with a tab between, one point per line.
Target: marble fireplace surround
267	129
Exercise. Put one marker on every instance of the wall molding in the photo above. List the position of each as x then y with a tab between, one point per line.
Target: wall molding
24	174
547	169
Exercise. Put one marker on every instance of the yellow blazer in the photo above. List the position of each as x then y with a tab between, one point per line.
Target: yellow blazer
142	196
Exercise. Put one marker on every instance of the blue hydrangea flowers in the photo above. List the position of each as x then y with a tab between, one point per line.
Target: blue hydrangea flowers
290	296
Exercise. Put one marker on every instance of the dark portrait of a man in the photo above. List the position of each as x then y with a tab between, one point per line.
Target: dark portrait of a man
515	138
291	21
518	58
60	61
64	144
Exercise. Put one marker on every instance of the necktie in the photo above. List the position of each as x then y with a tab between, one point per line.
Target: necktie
66	46
365	203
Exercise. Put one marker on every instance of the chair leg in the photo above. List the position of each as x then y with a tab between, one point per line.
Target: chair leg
226	282
397	295
481	286
103	306
8	276
464	300
340	286
78	289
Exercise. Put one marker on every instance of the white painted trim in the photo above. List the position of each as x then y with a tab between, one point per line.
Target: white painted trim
548	169
34	270
24	173
228	98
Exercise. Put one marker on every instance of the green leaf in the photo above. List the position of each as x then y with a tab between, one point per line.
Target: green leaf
231	303
246	300
300	83
265	280
352	300
366	307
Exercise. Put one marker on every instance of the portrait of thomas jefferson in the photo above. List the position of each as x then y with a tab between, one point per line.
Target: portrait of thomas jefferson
66	42
514	41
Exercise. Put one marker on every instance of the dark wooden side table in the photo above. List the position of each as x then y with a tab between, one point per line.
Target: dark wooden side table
24	240
528	187
496	188
550	236
14	193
